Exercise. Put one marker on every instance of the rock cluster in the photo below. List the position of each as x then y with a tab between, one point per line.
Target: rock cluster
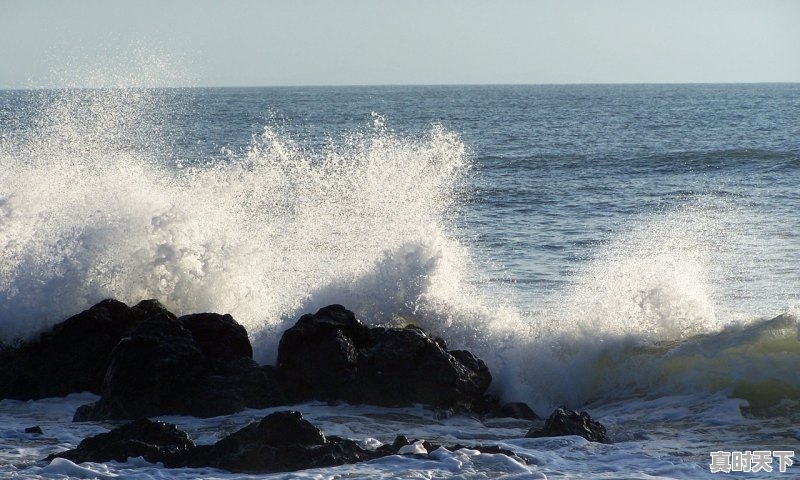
280	442
73	356
333	356
144	361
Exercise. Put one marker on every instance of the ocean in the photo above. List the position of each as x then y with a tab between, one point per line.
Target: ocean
628	250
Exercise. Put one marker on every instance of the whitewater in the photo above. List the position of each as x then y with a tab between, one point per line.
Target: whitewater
631	251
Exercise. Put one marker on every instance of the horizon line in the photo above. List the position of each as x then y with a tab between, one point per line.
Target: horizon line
373	85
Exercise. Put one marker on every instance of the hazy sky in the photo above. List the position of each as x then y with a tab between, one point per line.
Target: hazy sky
334	42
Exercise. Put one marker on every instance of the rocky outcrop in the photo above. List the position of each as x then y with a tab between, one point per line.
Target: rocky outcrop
568	422
74	355
331	355
280	442
144	361
517	410
153	441
172	365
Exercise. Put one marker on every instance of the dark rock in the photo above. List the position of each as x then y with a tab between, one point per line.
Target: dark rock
157	370
317	356
155	441
280	429
487	405
518	410
150	308
251	386
405	366
96	412
280	442
37	430
73	356
222	340
332	356
568	422
162	369
400	441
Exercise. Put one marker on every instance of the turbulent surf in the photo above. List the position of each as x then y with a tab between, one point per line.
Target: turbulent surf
637	267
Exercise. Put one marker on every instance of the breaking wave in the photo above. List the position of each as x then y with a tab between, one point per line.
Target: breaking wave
92	206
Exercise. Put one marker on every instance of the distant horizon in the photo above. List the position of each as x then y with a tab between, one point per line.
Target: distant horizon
389	85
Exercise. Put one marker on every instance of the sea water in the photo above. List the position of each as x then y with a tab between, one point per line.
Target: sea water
621	249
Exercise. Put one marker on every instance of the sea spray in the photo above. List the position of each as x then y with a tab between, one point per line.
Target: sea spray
94	204
90	212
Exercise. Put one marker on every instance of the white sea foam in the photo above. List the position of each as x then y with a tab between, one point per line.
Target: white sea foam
666	437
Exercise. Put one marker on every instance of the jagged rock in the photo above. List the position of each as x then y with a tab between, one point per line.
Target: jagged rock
73	356
144	361
280	442
155	371
404	366
162	369
222	340
331	355
568	422
280	429
154	441
517	410
317	356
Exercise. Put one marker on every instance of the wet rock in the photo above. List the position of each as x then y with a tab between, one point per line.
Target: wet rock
222	340
405	366
568	422
317	356
155	371
73	356
280	442
331	355
37	430
154	441
517	410
161	369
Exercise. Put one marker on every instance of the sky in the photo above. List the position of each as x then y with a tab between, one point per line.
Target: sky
54	43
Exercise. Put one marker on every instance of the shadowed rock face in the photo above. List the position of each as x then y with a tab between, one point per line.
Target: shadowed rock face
154	441
144	361
74	355
161	368
568	422
317	357
332	356
280	442
517	410
222	340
